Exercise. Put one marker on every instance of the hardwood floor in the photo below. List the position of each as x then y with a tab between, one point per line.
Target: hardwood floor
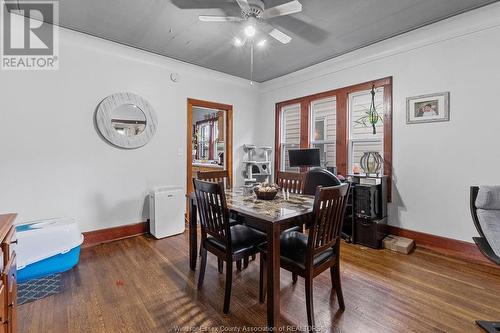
145	285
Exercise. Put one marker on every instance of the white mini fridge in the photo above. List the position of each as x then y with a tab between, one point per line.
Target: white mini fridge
166	207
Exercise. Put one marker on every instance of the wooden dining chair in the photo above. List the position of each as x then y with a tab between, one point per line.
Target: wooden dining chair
214	176
310	255
228	242
292	182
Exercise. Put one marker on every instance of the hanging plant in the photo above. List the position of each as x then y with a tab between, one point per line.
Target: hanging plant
371	116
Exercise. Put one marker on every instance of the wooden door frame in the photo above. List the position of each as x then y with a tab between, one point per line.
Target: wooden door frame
228	144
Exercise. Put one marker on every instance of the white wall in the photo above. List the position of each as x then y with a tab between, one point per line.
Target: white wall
55	164
433	164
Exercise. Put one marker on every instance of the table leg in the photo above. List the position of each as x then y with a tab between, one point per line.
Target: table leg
273	276
193	235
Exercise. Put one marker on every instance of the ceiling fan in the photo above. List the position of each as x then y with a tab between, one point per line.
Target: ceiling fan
253	12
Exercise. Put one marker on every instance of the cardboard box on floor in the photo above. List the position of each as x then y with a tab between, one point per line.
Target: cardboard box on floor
398	244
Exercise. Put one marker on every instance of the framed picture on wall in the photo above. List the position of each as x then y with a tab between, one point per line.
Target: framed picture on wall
428	108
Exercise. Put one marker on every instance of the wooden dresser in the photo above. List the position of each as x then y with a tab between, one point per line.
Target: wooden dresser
8	283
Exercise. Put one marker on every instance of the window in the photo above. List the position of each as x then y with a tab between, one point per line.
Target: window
324	129
333	122
204	140
290	134
361	137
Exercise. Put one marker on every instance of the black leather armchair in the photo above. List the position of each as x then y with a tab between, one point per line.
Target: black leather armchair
481	214
319	177
481	241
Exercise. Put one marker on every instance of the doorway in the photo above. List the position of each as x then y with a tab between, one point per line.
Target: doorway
209	139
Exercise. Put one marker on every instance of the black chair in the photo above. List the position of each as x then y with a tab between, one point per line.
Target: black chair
484	246
309	256
228	243
215	177
481	242
319	177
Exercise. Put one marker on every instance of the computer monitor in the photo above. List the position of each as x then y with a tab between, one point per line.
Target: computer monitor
304	157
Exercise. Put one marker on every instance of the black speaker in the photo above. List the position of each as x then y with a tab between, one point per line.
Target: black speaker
370	201
365	201
370	211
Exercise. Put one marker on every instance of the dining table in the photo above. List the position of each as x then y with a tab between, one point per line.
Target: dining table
269	216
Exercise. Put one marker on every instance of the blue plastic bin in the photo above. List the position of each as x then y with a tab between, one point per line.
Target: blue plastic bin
47	247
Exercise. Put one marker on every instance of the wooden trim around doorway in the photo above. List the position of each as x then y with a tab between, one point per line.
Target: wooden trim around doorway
228	155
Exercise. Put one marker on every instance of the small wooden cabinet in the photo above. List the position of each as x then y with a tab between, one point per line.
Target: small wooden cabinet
8	281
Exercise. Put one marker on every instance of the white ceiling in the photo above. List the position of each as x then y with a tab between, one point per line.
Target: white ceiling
324	29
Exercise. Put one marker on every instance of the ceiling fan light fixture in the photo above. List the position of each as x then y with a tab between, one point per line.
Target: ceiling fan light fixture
250	30
238	42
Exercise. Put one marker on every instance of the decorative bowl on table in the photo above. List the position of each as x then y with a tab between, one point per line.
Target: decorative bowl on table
266	191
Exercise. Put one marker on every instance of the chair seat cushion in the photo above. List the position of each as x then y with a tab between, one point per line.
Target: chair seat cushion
243	239
293	250
490	224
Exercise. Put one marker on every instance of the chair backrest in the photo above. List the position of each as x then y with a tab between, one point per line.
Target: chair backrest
328	216
214	215
319	177
292	182
213	176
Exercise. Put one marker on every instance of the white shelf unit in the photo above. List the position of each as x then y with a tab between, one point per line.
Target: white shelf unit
257	164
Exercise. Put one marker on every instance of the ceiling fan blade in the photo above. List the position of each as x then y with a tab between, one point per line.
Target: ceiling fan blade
284	9
213	18
243	4
280	36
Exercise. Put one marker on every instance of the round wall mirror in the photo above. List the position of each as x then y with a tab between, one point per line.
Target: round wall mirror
126	120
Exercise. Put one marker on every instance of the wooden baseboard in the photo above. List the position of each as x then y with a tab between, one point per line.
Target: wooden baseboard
96	237
447	246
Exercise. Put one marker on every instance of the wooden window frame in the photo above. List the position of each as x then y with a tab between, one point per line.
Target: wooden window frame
342	116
